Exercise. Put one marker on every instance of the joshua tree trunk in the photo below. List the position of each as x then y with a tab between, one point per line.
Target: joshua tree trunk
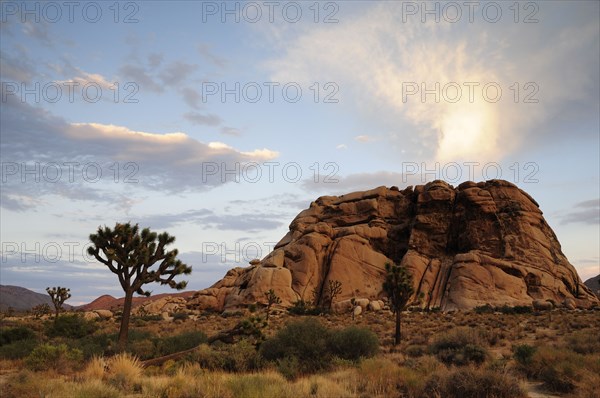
124	331
398	335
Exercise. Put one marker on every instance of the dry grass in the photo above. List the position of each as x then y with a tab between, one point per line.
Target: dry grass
571	341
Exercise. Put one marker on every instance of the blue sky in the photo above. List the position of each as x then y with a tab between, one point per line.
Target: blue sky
363	94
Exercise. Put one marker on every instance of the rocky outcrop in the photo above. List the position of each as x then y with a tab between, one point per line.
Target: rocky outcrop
167	305
480	243
594	285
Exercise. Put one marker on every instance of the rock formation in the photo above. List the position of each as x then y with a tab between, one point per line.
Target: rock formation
594	285
480	243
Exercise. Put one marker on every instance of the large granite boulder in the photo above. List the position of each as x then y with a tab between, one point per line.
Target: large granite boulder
480	243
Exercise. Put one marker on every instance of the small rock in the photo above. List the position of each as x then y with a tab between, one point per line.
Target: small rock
374	306
541	305
342	307
357	310
570	304
104	314
362	302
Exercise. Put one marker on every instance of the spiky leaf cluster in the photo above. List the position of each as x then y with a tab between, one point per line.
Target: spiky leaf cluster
138	258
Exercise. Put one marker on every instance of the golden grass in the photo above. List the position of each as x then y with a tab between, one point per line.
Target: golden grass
390	374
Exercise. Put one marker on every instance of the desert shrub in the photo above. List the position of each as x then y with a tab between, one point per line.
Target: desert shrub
252	307
19	349
180	316
289	367
16	343
559	369
353	343
301	307
60	358
11	335
505	309
151	318
484	309
473	383
208	358
415	351
584	342
95	345
305	340
72	326
523	354
459	347
239	357
181	342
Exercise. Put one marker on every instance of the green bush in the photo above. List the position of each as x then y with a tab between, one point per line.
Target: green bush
289	367
95	345
11	335
353	343
71	326
180	316
302	307
18	349
181	342
306	340
60	358
523	354
17	342
459	347
484	309
240	357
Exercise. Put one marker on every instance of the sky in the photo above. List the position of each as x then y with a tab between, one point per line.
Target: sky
219	122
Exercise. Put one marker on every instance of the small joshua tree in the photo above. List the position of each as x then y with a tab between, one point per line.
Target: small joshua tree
58	295
272	298
40	310
399	287
334	288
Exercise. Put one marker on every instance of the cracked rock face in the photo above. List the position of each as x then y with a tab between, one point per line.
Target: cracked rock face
480	243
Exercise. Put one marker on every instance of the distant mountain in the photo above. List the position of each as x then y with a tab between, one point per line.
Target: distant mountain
107	302
22	299
594	284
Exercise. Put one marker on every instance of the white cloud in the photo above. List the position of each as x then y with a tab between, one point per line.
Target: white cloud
375	59
341	146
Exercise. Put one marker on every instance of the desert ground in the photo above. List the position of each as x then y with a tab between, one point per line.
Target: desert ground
502	352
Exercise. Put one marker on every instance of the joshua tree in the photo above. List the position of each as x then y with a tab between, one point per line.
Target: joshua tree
272	298
40	310
399	287
333	289
58	295
131	255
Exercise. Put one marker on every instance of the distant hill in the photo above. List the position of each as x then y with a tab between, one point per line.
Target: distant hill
22	299
107	302
594	284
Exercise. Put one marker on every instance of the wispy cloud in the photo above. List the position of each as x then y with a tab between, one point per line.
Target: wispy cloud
587	212
169	162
